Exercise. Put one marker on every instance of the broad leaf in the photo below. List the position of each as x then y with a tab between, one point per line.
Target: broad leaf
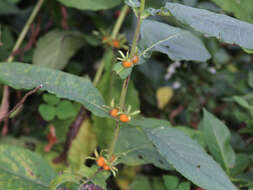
189	158
241	9
242	162
223	27
99	179
8	7
177	43
90	4
61	179
23	169
82	146
64	85
217	137
56	48
134	148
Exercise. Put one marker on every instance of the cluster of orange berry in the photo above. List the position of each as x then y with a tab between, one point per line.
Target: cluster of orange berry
129	63
122	117
101	162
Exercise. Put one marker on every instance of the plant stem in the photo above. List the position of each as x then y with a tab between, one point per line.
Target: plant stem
25	29
114	34
137	30
99	73
115	138
126	81
119	22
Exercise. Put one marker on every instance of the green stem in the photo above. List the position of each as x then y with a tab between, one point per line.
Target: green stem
126	81
25	29
99	73
115	138
137	30
114	34
119	22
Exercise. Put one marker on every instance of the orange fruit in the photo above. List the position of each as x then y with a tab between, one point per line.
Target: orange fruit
100	161
106	167
127	64
115	43
135	59
124	118
114	112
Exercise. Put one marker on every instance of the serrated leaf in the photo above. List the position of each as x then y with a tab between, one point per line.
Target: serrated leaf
61	179
23	169
82	146
121	71
56	48
90	4
189	158
47	112
223	27
177	43
217	137
64	85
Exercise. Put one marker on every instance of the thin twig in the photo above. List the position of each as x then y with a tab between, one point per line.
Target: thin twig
20	103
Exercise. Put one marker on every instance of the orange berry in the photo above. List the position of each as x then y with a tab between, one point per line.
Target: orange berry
115	43
106	167
101	161
114	112
127	64
135	59
124	118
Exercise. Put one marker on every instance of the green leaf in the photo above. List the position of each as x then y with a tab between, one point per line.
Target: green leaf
61	179
242	162
241	9
7	7
177	43
50	99
65	110
90	4
189	158
171	181
217	137
64	85
242	102
147	183
47	112
135	148
23	169
184	186
56	48
250	80
82	145
223	27
99	179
